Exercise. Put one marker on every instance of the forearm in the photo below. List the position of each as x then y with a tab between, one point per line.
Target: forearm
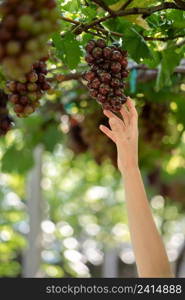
149	250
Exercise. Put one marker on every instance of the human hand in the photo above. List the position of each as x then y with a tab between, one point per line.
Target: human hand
124	133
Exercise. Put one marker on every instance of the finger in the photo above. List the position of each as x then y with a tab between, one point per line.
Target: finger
108	132
125	114
118	128
131	106
109	115
133	111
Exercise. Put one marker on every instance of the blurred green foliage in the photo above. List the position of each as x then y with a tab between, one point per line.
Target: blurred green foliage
84	202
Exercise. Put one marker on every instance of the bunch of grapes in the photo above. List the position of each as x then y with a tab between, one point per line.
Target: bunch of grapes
86	136
100	146
25	95
6	121
153	122
25	28
75	140
107	73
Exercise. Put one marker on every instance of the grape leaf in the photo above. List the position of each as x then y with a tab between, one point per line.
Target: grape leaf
136	45
17	160
178	18
132	39
170	59
71	6
110	2
72	50
139	21
68	49
136	3
57	41
117	6
89	12
51	137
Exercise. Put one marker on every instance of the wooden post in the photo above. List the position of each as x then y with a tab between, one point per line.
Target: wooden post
32	256
110	265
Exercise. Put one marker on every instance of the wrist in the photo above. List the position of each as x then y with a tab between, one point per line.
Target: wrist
129	168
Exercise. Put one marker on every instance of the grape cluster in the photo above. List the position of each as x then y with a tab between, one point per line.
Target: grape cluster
152	128
25	28
106	75
86	136
100	146
25	95
6	121
75	140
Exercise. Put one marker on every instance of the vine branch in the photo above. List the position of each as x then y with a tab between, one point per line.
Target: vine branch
134	11
70	20
103	5
82	27
150	73
126	4
100	29
180	3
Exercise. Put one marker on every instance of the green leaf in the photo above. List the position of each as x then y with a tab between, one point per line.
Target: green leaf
136	45
72	50
51	137
110	2
143	3
17	160
178	18
139	20
116	5
68	49
89	13
170	59
156	58
56	37
86	38
132	39
72	6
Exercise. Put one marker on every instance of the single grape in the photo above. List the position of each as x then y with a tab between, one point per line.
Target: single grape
105	77
104	89
116	67
95	83
116	55
90	46
89	76
107	52
97	52
101	43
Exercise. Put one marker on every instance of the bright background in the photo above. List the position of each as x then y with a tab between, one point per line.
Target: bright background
62	205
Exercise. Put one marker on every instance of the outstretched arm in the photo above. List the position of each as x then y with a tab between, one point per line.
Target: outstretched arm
151	257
